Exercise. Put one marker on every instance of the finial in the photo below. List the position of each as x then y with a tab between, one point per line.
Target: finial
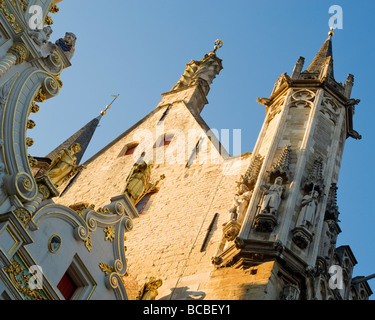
109	106
218	44
331	33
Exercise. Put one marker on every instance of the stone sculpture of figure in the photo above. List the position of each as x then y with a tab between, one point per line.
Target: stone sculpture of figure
241	202
64	166
329	239
308	212
41	37
138	181
273	196
149	291
68	44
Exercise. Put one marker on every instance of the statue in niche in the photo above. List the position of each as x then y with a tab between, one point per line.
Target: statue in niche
149	291
329	239
241	202
308	212
67	44
63	165
273	196
138	181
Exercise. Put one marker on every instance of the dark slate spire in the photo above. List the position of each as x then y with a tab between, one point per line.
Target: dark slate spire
320	59
82	136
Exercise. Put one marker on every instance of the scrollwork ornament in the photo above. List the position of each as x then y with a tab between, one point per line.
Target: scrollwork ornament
120	209
128	224
21	185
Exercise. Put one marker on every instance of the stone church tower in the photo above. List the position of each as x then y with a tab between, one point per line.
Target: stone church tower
261	225
289	232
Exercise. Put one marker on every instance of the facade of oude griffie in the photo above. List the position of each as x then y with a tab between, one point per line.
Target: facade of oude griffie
163	212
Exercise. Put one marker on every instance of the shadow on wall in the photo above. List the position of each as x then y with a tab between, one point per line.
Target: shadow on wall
182	293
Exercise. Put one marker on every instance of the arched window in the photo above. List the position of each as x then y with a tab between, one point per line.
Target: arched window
144	204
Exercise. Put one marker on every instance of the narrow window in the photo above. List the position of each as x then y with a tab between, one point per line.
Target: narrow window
165	114
144	204
129	149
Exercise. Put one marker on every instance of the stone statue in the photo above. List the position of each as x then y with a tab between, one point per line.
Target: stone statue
138	181
273	196
68	44
329	240
64	166
241	202
149	291
308	212
41	37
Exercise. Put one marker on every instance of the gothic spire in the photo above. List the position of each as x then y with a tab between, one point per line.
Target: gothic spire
320	60
82	136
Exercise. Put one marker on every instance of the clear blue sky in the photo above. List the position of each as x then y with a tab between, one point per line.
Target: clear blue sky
139	49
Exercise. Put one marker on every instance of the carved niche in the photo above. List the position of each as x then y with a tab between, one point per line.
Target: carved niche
273	193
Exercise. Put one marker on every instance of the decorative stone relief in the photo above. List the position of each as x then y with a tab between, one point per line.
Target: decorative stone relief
303	98
241	201
203	72
290	292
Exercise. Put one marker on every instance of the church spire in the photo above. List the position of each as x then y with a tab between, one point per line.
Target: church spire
324	55
82	136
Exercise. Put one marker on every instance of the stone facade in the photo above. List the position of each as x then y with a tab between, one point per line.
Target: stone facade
204	224
256	226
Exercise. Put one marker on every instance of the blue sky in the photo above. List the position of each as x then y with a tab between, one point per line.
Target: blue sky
139	49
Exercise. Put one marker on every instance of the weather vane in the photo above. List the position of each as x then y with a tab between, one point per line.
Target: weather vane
218	44
109	106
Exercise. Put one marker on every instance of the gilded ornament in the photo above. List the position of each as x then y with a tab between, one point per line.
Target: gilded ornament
60	83
109	233
40	96
104	210
30	124
23	216
20	280
20	51
48	21
44	190
106	268
88	242
32	162
34	108
26	183
29	142
149	290
9	16
81	207
54	8
63	166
